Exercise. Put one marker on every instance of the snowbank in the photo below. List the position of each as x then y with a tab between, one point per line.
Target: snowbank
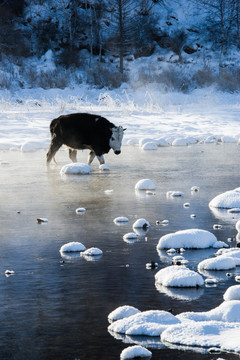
93	251
227	200
178	276
190	239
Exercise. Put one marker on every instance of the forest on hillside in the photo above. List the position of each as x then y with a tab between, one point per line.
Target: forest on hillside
92	37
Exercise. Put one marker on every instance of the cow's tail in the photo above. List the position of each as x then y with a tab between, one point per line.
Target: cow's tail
55	128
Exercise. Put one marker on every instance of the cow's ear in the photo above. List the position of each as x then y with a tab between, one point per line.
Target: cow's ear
124	129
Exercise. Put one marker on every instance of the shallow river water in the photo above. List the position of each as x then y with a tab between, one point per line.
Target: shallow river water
57	308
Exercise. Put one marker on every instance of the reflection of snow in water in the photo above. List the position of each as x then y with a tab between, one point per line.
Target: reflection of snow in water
180	293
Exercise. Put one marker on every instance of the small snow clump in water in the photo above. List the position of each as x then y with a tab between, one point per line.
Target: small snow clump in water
80	211
122	312
178	276
130	236
120	219
73	246
175	193
9	272
141	223
195	188
145	184
227	200
93	251
135	351
76	169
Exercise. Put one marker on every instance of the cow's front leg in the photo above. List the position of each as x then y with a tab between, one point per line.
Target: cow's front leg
101	159
91	156
73	155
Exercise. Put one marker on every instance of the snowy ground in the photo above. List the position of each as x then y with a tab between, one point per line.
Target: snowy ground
25	115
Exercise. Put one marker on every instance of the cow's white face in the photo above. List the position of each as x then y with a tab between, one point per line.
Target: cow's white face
115	141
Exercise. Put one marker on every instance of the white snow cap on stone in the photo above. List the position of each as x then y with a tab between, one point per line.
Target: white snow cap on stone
178	276
145	184
232	293
76	169
72	247
190	239
146	323
233	253
120	219
104	167
217	263
149	146
122	312
134	351
140	223
93	251
227	200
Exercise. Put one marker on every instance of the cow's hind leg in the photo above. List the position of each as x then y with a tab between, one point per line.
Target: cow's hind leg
73	155
91	156
53	148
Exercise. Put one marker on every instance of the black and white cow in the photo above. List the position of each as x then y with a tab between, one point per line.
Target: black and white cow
84	131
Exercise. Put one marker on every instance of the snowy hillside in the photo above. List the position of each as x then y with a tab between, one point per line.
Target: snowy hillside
178	45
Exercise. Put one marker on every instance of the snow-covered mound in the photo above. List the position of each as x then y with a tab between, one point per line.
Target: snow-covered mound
73	246
190	239
145	184
232	293
206	334
34	145
233	253
93	251
76	169
80	211
174	193
122	312
146	323
178	276
227	200
135	351
217	263
130	237
104	167
227	311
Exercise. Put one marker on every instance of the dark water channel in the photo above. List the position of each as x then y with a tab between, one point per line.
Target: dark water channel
55	310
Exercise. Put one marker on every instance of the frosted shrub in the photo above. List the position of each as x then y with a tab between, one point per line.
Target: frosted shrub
105	76
53	79
204	77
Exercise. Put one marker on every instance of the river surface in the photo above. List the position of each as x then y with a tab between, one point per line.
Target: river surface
56	307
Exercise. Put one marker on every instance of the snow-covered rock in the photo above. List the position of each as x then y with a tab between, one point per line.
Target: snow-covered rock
104	167
122	312
131	236
232	293
206	334
178	276
227	311
141	223
80	211
93	251
73	246
120	220
135	351
175	193
146	323
190	239
145	184
227	200
217	263
76	169
149	146
233	253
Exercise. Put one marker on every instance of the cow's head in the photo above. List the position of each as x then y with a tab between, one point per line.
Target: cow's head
115	141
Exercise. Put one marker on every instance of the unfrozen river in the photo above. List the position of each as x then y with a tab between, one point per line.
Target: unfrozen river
57	308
